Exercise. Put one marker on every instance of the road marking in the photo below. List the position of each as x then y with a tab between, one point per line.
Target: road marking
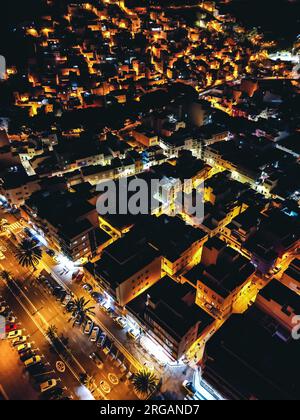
42	331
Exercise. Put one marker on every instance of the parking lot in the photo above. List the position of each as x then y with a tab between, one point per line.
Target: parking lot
24	364
107	366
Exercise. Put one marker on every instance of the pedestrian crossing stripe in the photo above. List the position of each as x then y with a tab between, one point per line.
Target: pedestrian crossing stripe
15	226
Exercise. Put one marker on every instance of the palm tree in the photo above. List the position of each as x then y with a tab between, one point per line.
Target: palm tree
29	254
3	227
145	382
51	332
88	382
5	275
82	308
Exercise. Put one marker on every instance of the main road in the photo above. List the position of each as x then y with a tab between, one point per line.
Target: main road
37	309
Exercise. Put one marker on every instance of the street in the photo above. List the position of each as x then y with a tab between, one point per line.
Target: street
37	309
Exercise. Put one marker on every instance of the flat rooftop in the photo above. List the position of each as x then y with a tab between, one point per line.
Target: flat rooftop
172	307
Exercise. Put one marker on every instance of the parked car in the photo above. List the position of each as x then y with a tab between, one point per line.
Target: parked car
14	334
95	333
50	252
118	362
97	360
88	327
189	387
54	393
101	340
11	327
57	291
134	334
79	319
33	361
19	340
70	306
98	298
11	319
66	300
38	369
88	287
26	355
61	296
121	322
23	347
46	386
123	368
106	350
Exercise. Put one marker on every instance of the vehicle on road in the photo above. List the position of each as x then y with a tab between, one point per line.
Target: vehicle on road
277	269
121	322
38	369
98	298
27	355
134	334
87	287
11	319
19	340
70	306
46	386
23	348
123	368
95	333
106	350
33	361
11	327
111	312
57	291
79	319
189	387
97	360
104	306
101	340
14	334
50	252
66	299
61	295
87	329
54	393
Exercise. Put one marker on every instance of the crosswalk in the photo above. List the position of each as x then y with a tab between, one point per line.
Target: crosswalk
15	226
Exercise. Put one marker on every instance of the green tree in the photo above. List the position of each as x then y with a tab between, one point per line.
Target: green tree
51	332
88	382
82	308
145	382
29	254
6	275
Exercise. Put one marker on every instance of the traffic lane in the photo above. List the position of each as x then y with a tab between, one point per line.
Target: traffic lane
80	344
118	335
48	308
15	383
104	321
33	328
